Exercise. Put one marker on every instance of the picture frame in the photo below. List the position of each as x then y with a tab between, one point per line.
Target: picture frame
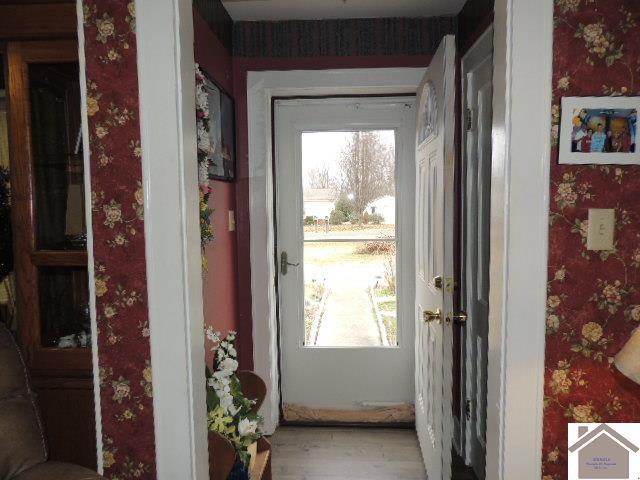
599	130
222	131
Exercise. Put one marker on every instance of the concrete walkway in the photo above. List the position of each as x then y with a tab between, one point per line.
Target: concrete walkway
348	320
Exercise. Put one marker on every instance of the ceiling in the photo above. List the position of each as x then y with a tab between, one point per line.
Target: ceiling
319	9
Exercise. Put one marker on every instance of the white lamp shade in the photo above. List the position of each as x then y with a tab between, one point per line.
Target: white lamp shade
627	361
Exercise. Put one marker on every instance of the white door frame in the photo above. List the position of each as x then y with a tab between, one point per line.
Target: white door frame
523	42
261	88
166	82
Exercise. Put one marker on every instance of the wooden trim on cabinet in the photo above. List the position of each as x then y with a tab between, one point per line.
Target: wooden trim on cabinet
62	383
29	21
48	51
22	208
59	258
61	362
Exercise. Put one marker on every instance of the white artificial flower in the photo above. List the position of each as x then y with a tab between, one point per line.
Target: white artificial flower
203	173
232	351
226	401
204	142
202	99
221	387
222	376
212	335
247	427
229	364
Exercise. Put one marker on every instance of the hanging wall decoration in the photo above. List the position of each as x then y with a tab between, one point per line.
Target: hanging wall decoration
223	166
206	150
599	130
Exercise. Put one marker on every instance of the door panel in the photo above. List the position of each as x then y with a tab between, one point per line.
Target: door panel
434	246
476	245
332	367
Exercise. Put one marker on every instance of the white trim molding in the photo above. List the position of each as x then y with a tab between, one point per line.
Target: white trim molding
86	153
261	88
523	42
166	78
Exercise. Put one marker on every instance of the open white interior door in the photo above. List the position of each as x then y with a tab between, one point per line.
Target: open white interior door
435	156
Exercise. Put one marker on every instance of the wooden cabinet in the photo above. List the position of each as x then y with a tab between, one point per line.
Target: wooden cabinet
52	296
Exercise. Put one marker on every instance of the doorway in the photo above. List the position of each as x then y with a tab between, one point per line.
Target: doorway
344	206
263	89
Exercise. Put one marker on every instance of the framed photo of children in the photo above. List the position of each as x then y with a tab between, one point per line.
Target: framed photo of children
221	132
599	130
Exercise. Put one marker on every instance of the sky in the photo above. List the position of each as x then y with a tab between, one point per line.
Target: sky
323	148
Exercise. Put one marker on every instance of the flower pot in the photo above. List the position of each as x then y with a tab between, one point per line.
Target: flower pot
222	457
240	471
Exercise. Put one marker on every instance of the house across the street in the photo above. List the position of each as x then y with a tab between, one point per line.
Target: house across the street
319	202
384	206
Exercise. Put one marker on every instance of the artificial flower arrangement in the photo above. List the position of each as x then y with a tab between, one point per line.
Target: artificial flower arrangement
230	413
205	156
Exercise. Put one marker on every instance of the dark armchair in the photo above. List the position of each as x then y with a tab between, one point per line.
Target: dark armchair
23	449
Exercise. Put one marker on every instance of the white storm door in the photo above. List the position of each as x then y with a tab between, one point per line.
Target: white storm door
478	88
435	154
346	333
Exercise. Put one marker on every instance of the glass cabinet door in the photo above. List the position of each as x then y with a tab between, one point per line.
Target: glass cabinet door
56	147
49	206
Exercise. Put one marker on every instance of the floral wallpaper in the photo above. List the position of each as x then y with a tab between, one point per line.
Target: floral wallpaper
593	301
119	249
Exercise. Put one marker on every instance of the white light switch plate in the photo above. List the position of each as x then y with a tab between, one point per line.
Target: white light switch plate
232	220
601	227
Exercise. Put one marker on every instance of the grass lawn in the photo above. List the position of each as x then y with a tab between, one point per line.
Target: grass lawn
382	229
387	306
313	293
332	253
391	324
385	291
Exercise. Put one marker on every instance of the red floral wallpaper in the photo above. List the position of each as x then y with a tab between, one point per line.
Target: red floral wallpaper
118	232
593	299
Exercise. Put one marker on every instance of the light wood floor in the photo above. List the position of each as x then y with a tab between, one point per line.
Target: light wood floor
317	453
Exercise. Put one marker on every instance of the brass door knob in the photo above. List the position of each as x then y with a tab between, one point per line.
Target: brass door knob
429	316
458	318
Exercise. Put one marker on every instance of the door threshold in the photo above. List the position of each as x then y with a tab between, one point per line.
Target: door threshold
392	414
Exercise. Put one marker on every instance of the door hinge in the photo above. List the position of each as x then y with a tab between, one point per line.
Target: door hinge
468	119
467	409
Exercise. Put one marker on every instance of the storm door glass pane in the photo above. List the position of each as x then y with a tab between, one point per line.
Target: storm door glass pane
349	239
64	307
57	156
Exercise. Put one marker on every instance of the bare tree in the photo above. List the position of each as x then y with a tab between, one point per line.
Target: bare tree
320	178
367	169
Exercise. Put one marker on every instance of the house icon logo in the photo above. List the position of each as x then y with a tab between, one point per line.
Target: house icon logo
604	451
